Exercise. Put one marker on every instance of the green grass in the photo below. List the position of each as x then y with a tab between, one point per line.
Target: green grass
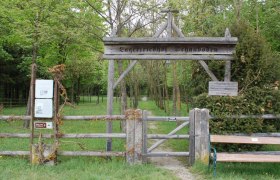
240	171
75	167
79	168
99	168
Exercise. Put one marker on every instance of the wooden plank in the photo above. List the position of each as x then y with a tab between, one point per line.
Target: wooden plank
66	153
110	96
208	71
197	130
227	76
14	153
258	134
204	138
90	153
244	139
167	118
138	142
192	137
228	157
221	88
84	135
264	116
168	57
130	136
167	154
164	136
96	117
182	49
145	136
171	40
122	76
160	31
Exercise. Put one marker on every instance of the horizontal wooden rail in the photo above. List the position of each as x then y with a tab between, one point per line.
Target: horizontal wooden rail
166	154
66	153
96	135
100	117
164	136
91	135
90	153
163	118
264	116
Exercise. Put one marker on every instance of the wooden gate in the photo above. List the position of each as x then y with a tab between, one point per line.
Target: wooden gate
198	143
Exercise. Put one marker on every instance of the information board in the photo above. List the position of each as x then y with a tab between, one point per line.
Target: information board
221	88
43	108
44	89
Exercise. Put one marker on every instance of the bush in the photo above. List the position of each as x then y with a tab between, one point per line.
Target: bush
256	101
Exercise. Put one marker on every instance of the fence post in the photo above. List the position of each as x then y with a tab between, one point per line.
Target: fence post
204	138
134	136
145	139
199	136
197	133
192	136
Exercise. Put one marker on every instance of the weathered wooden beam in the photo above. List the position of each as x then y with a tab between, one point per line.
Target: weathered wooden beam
177	30
100	117
14	153
208	71
90	153
145	136
166	154
170	40
94	117
96	135
66	153
110	96
258	134
171	133
164	136
227	71
129	68
7	118
192	137
166	118
134	138
204	137
264	116
238	157
244	139
160	31
168	57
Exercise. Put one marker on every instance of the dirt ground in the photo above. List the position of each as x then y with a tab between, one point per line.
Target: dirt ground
178	168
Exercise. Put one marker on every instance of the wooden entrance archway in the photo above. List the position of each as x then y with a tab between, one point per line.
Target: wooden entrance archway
167	48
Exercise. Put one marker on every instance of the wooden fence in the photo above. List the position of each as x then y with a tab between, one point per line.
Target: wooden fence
136	136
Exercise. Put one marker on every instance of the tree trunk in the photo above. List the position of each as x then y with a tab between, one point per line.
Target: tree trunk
123	96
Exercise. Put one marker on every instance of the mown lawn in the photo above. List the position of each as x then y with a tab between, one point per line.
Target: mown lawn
100	168
75	167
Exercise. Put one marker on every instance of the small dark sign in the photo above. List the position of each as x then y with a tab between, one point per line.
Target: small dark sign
43	125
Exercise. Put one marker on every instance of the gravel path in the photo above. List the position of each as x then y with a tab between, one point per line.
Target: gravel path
177	167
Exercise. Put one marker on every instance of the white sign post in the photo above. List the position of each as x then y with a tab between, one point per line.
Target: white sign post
221	88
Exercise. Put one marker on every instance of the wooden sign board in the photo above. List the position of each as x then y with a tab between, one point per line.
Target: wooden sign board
191	48
221	88
43	125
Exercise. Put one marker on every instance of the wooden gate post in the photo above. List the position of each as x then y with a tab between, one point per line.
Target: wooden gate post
204	136
134	136
199	136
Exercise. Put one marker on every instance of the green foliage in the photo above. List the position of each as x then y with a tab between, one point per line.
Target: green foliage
256	101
